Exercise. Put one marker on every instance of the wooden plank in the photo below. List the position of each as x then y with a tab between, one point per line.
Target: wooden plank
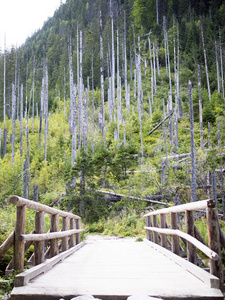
198	205
40	207
191	251
206	250
23	278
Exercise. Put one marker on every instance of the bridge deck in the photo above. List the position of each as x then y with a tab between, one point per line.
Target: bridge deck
114	268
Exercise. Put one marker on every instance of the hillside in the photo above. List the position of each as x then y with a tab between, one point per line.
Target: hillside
79	102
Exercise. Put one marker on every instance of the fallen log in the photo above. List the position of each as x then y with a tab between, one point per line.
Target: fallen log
157	126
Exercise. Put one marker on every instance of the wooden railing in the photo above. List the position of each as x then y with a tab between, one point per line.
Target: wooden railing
192	238
69	234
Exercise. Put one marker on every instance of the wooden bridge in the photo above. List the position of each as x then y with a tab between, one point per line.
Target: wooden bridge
111	267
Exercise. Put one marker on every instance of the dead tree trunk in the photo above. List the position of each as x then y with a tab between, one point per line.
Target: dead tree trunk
102	79
46	107
206	66
13	121
200	107
21	121
193	155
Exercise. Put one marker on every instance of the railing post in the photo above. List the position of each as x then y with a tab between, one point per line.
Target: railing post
213	228
149	224
72	238
19	245
65	222
175	238
54	247
39	247
77	234
163	225
155	234
191	250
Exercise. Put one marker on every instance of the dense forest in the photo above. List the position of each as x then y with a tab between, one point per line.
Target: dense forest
119	96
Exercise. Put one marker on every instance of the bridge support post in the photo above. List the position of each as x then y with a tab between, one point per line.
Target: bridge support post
72	238
65	222
19	245
149	224
39	247
163	225
213	228
54	247
155	234
77	234
175	238
191	250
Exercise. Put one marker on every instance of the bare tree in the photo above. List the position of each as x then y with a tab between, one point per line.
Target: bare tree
113	65
13	120
217	68
200	107
21	121
139	84
193	155
46	106
102	79
206	66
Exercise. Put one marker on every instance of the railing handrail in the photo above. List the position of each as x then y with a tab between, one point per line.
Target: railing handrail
19	201
213	251
69	233
198	205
